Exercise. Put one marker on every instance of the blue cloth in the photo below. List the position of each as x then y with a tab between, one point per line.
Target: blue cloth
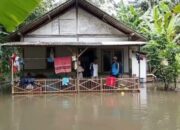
50	60
65	81
115	68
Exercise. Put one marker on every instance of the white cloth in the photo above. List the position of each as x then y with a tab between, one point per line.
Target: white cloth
95	70
17	63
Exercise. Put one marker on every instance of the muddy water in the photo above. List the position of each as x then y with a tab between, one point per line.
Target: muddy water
148	110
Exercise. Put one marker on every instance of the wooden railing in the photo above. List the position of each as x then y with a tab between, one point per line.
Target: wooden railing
122	84
76	85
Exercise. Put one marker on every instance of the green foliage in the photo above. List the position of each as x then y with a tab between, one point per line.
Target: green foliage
43	7
161	24
132	18
5	53
4	63
163	45
14	12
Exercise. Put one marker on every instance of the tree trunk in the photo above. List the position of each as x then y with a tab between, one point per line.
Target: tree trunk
175	83
166	86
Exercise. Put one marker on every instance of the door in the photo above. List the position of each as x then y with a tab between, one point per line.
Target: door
86	59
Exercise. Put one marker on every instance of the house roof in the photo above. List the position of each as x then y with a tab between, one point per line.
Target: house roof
54	13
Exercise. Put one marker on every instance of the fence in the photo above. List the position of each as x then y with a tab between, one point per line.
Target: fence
76	85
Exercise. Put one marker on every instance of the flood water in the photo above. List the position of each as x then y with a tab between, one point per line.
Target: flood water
148	110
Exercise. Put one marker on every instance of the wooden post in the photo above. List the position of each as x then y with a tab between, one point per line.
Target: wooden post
12	77
78	90
77	74
45	86
101	82
139	61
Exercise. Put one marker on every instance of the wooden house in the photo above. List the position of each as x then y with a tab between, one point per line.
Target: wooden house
79	29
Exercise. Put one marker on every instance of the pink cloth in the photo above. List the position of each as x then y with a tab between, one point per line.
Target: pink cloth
62	64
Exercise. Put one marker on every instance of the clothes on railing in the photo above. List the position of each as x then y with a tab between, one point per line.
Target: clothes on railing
110	81
65	81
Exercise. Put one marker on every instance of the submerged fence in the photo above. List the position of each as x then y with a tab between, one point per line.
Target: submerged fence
76	85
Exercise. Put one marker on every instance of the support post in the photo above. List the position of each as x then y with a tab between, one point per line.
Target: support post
139	61
101	82
82	52
130	73
45	84
12	77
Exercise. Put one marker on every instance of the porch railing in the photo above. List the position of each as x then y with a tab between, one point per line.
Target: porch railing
76	85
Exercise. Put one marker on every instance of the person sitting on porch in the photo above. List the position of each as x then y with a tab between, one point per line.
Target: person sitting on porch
94	69
115	68
27	81
80	70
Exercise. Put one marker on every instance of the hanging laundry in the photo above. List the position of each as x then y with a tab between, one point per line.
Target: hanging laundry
50	59
16	61
62	64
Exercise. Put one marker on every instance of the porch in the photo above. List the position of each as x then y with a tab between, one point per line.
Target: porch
45	80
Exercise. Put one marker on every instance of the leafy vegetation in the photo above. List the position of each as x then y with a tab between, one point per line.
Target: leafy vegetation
161	24
13	13
5	53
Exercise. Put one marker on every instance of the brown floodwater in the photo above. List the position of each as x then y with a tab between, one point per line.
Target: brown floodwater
148	110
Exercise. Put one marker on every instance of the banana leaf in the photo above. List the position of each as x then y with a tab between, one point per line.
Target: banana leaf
14	12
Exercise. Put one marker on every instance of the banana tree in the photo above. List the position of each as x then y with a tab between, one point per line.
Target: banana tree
163	21
163	28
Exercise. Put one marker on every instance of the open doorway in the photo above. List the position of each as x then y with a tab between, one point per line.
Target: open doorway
86	59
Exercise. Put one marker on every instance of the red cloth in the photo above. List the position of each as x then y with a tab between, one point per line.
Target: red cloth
62	64
15	69
110	81
13	57
12	60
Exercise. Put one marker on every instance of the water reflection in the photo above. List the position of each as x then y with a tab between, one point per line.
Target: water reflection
143	95
87	111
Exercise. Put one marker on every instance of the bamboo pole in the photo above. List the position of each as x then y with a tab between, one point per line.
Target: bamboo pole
12	77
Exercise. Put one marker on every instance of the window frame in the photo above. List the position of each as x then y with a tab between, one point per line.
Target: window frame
112	52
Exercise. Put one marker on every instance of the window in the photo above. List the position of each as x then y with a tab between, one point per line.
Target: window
106	61
107	56
119	55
